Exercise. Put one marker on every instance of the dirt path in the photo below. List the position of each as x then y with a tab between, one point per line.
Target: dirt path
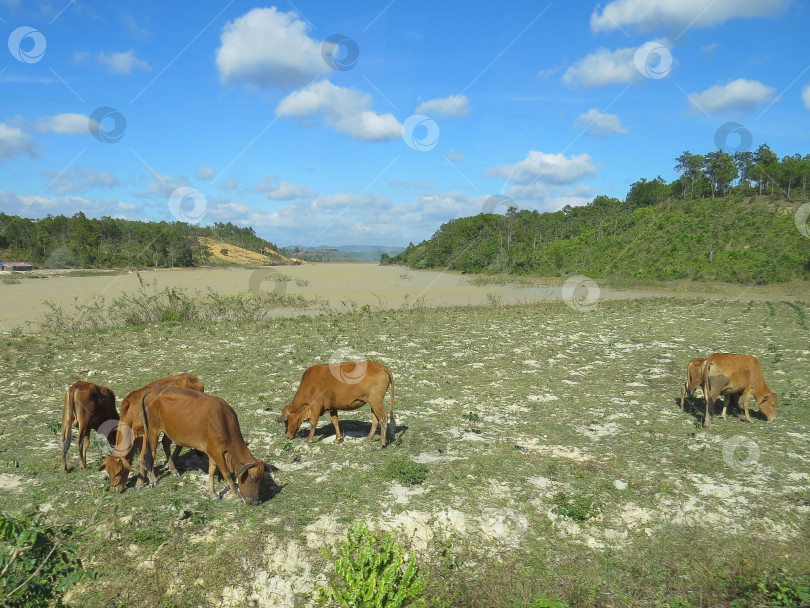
343	286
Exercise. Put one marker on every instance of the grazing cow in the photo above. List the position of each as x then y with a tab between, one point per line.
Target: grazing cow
694	378
205	423
89	406
341	386
738	376
130	433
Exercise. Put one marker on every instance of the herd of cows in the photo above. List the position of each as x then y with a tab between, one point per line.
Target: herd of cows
178	407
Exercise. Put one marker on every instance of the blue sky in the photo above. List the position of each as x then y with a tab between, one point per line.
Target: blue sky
375	122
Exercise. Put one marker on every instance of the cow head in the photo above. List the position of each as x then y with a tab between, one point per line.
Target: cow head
249	476
293	418
768	405
118	468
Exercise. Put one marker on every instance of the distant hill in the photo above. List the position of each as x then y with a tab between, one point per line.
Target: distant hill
343	253
734	239
225	253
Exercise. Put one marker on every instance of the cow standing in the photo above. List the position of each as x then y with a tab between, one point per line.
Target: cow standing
341	386
208	424
739	377
88	406
130	433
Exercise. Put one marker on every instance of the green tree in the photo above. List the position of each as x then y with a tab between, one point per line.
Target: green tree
691	167
720	171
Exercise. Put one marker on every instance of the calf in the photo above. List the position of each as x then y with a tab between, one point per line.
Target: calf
738	376
88	406
130	433
205	423
694	378
341	386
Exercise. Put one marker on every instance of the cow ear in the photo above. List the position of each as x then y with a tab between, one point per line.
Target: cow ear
282	418
271	467
103	466
126	464
244	468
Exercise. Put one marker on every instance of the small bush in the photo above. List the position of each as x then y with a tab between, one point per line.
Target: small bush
574	506
405	471
373	572
37	562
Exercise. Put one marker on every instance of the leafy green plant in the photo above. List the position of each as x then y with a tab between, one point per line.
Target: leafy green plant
37	561
574	506
472	417
543	601
405	471
778	589
373	571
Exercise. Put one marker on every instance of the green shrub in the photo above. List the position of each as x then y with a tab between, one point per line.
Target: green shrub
405	471
574	506
373	572
37	562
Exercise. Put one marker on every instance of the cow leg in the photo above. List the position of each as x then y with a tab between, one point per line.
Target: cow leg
745	395
83	441
683	394
378	410
167	448
336	424
212	469
67	431
707	420
150	472
374	422
218	462
313	421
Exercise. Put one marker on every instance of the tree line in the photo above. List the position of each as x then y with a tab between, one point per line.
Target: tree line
725	218
82	242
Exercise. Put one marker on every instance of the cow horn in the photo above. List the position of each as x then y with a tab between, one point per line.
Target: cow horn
244	468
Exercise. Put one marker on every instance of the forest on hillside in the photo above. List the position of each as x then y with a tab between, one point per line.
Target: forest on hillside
82	242
725	218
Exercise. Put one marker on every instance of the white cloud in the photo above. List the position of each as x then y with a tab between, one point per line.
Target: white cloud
206	172
647	15
346	110
738	96
454	156
446	107
266	47
79	180
282	191
162	186
230	184
547	169
602	68
597	123
122	63
806	96
64	124
15	142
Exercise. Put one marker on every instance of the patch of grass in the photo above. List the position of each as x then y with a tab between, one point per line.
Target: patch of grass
405	471
574	506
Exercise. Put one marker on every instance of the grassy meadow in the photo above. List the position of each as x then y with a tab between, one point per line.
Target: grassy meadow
541	457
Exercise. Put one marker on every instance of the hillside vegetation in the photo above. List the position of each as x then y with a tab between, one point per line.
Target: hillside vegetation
698	227
82	242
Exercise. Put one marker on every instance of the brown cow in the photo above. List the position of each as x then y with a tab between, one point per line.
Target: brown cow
341	386
205	423
130	433
738	376
89	406
694	378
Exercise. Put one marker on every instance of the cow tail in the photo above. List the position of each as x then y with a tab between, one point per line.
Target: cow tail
68	416
148	461
392	424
